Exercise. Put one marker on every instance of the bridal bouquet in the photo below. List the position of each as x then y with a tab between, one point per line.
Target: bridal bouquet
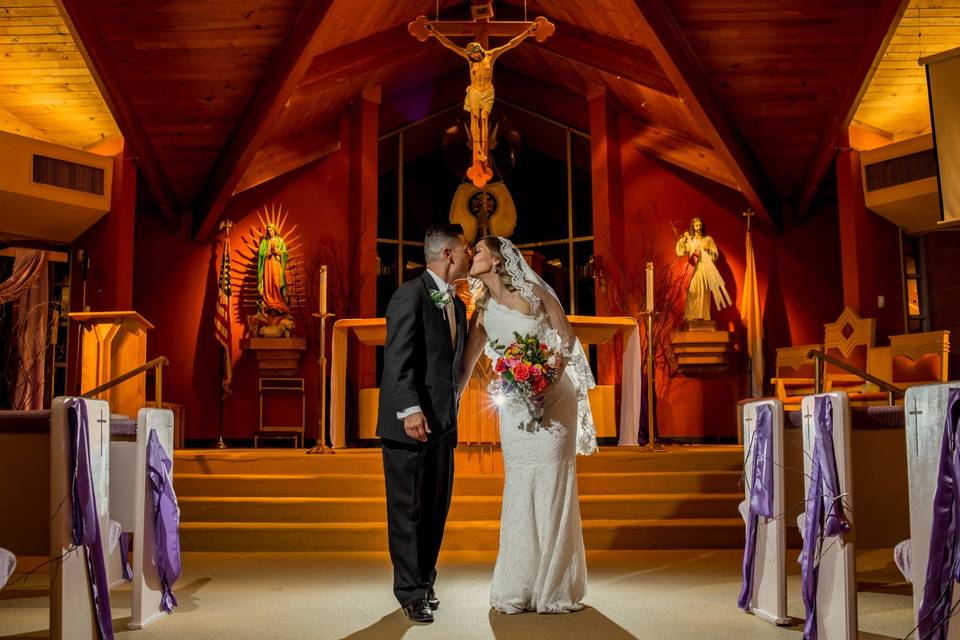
524	369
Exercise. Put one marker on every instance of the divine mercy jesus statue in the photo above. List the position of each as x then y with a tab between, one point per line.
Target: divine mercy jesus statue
701	251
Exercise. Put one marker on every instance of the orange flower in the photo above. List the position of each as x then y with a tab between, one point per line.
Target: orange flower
521	372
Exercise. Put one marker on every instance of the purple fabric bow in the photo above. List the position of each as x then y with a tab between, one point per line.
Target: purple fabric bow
166	539
86	522
761	495
824	512
125	569
942	569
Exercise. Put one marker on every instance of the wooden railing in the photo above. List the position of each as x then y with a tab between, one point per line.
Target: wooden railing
156	363
820	358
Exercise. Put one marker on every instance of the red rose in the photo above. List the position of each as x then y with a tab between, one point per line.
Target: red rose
521	372
539	384
501	365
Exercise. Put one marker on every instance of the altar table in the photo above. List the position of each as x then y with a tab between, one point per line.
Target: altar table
475	413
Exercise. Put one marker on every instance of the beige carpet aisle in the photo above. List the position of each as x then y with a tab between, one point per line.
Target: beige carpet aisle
632	594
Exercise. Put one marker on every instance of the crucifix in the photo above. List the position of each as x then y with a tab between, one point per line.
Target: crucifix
480	58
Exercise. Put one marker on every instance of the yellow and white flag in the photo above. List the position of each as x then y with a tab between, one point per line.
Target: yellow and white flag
753	321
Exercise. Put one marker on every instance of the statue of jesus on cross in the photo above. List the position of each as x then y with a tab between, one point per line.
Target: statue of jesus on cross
479	98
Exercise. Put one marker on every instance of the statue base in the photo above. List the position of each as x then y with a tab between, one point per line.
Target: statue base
277	357
698	325
699	348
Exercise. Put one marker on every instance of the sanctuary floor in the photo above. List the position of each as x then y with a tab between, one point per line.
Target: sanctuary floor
632	594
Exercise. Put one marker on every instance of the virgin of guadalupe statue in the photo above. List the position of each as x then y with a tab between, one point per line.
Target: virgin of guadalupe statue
701	251
272	272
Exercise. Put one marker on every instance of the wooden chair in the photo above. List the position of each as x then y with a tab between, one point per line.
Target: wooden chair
795	375
850	339
919	358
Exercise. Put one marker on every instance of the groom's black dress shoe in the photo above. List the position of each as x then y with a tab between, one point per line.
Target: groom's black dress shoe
433	600
418	611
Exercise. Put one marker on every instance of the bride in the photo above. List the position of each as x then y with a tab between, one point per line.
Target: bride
540	566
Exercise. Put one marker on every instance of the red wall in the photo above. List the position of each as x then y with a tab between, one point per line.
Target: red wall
943	288
870	253
798	272
176	291
108	250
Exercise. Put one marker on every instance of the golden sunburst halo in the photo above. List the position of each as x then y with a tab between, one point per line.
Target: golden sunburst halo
244	275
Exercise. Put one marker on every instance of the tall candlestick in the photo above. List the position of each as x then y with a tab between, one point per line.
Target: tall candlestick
323	288
649	286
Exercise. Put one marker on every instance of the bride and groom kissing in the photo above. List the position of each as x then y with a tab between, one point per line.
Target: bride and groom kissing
429	355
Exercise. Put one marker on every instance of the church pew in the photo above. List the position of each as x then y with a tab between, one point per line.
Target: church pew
767	599
25	482
925	417
122	495
72	616
147	590
836	594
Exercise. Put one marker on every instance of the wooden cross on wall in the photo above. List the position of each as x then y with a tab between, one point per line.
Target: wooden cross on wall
480	94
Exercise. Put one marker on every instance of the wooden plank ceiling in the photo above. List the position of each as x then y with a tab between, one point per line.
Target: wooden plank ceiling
895	102
229	94
46	90
785	70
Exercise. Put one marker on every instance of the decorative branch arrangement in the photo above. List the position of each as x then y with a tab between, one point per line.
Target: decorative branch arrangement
626	293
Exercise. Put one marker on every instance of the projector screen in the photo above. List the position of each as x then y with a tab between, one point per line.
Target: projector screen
943	84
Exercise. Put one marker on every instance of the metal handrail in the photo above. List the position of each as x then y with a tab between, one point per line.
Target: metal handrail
156	363
820	357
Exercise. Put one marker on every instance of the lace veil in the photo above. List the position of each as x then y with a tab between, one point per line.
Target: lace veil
523	279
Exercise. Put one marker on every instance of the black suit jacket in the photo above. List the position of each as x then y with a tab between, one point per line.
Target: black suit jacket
420	362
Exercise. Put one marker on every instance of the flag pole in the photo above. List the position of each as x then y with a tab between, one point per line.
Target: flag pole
225	226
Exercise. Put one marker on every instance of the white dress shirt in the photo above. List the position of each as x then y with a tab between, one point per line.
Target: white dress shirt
442	287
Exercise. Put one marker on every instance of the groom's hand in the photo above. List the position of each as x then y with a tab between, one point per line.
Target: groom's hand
416	426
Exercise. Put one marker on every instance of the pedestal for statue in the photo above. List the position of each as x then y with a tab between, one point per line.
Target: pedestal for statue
279	386
277	357
699	347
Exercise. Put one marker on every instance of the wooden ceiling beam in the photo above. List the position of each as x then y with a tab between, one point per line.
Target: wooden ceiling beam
144	154
884	25
681	149
280	157
281	80
362	57
617	57
681	65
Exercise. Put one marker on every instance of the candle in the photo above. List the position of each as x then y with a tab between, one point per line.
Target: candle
323	288
649	286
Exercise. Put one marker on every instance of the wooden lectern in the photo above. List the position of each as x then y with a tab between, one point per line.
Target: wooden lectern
112	343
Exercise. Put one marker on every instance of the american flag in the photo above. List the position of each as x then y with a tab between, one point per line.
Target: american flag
221	322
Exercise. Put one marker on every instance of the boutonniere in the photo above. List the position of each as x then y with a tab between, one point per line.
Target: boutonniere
441	299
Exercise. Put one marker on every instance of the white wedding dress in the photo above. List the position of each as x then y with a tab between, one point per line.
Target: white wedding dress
541	565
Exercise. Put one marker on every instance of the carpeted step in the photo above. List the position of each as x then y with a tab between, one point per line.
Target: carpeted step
373	509
372	485
460	535
469	459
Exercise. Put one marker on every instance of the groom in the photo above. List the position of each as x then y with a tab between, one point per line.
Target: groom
417	424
